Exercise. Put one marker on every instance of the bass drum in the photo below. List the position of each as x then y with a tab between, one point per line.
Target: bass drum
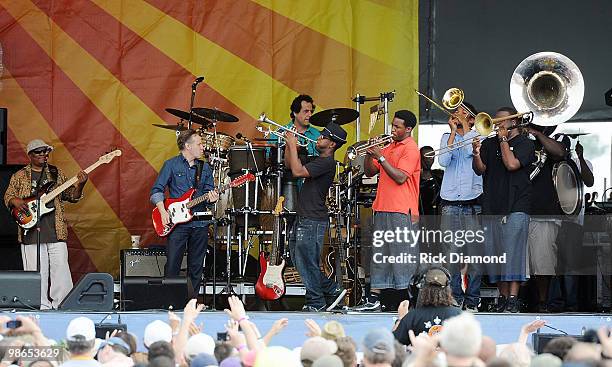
225	199
568	184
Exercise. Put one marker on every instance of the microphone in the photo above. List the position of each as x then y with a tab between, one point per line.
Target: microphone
197	81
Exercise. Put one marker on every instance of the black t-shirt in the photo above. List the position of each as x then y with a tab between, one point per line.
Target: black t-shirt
429	200
506	192
423	319
544	199
311	200
47	221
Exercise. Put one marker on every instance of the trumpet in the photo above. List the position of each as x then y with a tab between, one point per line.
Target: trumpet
279	133
359	150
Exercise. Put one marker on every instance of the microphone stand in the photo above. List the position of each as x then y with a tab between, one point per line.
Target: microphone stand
193	93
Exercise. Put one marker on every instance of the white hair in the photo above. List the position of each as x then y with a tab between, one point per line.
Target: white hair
461	336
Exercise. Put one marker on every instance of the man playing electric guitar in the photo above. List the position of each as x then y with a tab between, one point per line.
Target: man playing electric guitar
53	229
179	174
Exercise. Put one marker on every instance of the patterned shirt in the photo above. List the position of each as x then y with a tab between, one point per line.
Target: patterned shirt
20	186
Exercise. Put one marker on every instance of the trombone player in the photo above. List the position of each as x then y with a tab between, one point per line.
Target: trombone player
460	194
504	162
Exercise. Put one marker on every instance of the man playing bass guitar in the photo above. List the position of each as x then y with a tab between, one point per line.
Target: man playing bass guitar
32	179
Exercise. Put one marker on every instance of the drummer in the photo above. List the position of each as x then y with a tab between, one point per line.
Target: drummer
302	108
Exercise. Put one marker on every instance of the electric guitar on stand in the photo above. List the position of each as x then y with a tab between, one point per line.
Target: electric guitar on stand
26	217
179	209
270	284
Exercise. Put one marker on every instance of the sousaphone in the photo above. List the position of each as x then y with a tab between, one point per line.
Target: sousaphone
551	86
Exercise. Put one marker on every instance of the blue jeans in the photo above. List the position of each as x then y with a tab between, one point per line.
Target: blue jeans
305	245
461	218
507	234
196	241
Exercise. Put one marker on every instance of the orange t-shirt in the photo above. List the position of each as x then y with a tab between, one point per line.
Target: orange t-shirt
404	198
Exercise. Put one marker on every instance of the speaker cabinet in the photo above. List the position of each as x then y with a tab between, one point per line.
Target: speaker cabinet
146	293
146	263
9	247
20	289
540	340
93	292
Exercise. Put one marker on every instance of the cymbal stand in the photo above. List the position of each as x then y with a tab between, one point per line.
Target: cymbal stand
384	98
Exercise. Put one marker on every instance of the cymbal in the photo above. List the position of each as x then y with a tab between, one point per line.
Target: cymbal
172	127
184	115
574	135
340	116
215	115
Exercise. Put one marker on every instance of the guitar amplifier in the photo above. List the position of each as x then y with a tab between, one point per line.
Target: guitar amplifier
146	263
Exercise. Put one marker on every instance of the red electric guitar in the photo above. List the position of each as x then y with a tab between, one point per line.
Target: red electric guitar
180	208
271	285
26	217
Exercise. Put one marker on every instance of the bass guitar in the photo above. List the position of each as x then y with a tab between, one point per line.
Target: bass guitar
179	209
270	284
26	217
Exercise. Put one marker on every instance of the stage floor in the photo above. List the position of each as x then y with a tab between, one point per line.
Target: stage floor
504	328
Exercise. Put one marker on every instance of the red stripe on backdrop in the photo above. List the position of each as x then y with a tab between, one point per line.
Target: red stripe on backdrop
286	50
152	76
83	129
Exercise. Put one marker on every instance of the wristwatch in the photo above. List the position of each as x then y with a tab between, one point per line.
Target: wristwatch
381	159
504	138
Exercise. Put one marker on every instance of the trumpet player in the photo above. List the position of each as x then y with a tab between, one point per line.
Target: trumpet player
306	238
395	208
504	164
460	194
302	108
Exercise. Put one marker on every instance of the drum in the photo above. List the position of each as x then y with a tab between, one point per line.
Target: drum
289	189
242	157
568	184
223	141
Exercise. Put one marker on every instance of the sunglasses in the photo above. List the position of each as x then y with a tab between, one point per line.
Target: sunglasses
41	151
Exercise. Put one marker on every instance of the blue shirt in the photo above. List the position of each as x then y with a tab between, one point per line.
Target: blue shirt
311	133
178	177
459	182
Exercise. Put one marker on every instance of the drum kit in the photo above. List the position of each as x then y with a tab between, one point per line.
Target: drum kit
249	208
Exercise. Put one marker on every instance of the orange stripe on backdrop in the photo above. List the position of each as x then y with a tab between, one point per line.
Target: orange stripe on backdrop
73	116
149	74
92	220
299	57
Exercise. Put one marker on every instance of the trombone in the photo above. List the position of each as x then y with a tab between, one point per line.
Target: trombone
487	127
278	133
359	150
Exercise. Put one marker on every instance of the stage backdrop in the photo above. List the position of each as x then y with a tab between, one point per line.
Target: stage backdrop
88	76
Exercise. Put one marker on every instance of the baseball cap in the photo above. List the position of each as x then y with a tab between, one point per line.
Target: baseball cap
37	143
81	326
198	344
316	347
333	330
379	341
116	341
436	277
334	132
157	331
